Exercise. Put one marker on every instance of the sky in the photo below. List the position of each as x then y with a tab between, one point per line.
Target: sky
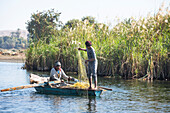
15	13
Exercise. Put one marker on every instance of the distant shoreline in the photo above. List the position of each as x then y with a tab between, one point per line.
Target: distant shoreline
13	59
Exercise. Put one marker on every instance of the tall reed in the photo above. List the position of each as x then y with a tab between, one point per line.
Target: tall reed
133	48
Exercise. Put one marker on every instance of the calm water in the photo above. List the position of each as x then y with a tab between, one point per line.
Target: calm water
127	96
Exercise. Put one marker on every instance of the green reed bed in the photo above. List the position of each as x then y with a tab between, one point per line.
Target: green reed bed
133	48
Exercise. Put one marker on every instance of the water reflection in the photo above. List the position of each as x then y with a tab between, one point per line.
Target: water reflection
91	104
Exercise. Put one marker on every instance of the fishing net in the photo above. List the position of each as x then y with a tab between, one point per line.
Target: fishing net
80	85
82	75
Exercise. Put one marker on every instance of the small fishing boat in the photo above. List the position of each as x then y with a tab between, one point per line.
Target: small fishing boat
68	91
42	85
59	89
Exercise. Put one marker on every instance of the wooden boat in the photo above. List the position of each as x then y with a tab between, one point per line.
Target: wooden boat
43	85
62	90
68	91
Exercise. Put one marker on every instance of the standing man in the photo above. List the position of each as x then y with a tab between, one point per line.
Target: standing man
92	63
57	73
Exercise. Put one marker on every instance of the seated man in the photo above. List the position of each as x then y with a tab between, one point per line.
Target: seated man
57	73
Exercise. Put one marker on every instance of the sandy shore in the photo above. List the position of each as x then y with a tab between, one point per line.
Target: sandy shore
17	59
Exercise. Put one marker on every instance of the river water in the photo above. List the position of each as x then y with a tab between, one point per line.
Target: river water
127	96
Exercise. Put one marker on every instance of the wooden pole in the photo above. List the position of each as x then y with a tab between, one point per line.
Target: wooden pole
28	86
105	88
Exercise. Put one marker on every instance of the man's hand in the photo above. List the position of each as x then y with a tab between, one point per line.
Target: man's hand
82	49
86	61
73	79
76	80
69	78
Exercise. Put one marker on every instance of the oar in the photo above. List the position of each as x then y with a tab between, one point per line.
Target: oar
28	86
105	88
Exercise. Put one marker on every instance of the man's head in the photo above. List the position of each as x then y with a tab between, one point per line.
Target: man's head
57	65
88	44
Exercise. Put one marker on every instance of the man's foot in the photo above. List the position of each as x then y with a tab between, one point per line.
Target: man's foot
95	88
90	88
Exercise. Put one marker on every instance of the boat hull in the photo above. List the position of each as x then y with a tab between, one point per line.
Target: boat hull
68	91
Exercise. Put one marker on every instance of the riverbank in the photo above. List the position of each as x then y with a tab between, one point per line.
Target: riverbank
15	59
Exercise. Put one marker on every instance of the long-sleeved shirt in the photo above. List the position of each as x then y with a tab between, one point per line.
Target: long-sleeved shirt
57	75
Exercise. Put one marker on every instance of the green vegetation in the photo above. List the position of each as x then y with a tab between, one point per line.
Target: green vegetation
133	48
43	25
13	41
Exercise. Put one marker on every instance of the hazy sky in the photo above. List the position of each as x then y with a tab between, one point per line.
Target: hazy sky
15	13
